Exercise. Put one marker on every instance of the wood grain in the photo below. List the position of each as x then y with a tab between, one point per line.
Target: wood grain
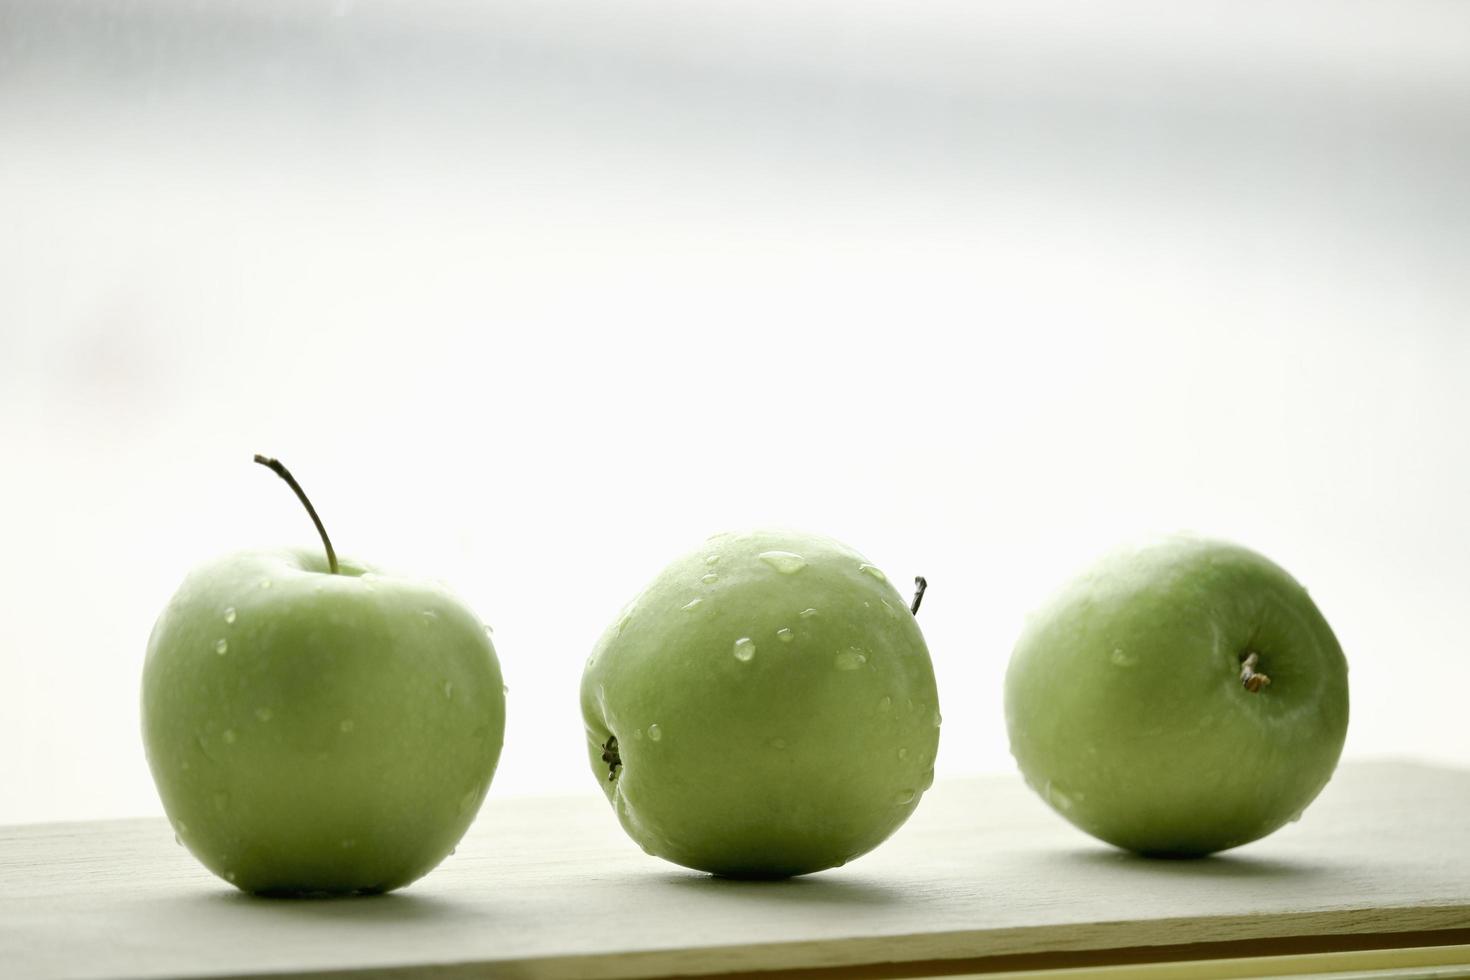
552	888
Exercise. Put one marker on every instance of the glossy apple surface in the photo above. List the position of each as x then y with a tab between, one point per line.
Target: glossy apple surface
1136	709
765	708
318	732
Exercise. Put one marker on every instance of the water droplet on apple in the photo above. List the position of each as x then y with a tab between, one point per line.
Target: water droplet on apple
265	583
785	562
1056	797
892	613
927	780
505	689
1296	816
453	851
637	733
779	744
448	690
885	703
347	843
709	578
222	646
264	714
182	827
874	571
904	797
692	603
229	736
785	635
468	800
230	877
655	733
177	841
808	613
221	801
937	718
347	725
851	659
711	559
230	615
744	649
430	617
1121	659
903	753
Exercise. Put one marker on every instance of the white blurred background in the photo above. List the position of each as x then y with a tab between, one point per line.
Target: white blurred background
534	297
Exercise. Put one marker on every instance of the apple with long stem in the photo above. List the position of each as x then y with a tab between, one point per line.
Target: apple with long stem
765	708
314	725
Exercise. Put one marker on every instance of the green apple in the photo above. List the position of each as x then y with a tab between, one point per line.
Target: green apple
316	726
765	708
1178	698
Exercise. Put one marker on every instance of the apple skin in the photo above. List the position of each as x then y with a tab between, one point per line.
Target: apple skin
1127	713
801	756
342	741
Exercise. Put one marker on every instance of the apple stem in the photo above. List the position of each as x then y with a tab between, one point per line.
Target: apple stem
1252	679
277	467
920	584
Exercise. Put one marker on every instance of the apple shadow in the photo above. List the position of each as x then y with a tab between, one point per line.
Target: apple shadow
803	891
373	909
1229	865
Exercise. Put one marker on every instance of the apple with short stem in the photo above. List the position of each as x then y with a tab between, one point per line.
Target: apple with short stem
765	708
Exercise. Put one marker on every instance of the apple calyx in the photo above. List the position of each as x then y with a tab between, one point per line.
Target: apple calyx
920	584
1250	678
279	469
611	757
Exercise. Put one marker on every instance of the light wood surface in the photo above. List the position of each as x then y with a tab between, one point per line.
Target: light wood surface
552	888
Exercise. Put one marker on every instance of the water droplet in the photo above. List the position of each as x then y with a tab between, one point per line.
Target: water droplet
885	703
347	843
453	851
785	635
892	613
449	690
785	562
221	801
430	617
468	800
623	623
505	689
709	578
183	828
177	841
711	559
808	613
903	753
637	734
936	718
927	779
851	659
265	583
1296	816
222	646
264	714
230	877
1121	659
904	797
744	649
230	616
1056	797
692	603
655	733
229	736
874	571
778	744
488	628
347	725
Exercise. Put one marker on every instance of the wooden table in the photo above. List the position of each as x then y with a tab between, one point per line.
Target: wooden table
1374	881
